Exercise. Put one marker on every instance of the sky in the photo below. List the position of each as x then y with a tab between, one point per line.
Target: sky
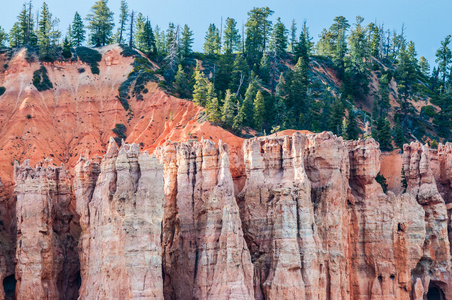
427	23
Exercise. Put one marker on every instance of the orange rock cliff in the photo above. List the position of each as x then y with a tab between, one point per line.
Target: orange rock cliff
186	210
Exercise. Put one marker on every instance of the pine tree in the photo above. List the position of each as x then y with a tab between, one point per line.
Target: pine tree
200	87
145	38
399	137
171	36
186	42
258	29
231	37
229	108
100	24
337	115
67	53
240	76
293	36
212	43
424	66
123	16
297	100
213	108
279	39
352	126
383	134
44	31
3	37
14	36
373	40
160	40
172	58
78	31
247	106
444	57
181	86
223	75
259	111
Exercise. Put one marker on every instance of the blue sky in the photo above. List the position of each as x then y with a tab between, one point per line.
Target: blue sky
426	22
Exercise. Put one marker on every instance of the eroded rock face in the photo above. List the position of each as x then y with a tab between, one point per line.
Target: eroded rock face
47	260
120	202
311	222
204	253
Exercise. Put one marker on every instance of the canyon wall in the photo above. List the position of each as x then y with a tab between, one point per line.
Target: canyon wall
310	222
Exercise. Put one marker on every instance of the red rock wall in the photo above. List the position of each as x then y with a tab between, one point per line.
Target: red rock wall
311	222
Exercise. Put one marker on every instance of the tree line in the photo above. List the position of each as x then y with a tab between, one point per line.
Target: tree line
264	75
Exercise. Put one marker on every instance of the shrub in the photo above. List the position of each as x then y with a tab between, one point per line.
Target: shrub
40	79
428	110
128	51
2	90
434	144
120	131
382	181
90	57
81	70
28	116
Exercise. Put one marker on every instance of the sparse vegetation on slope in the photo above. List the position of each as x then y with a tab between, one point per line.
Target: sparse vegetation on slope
41	80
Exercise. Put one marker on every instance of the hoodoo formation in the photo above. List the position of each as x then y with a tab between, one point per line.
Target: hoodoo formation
183	209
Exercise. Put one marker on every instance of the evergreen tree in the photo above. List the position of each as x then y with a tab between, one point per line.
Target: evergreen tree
160	40
172	58
231	37
145	39
383	134
171	36
15	39
229	108
240	76
383	96
373	39
424	66
67	53
213	109
3	37
186	41
100	24
337	115
78	31
258	29
332	42
224	73
352	126
293	36
399	137
181	83
212	43
297	100
246	109
123	16
200	87
259	111
444	57
279	39
46	47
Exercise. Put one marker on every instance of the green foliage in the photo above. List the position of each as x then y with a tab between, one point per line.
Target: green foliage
259	111
428	111
181	83
67	49
186	41
383	134
352	126
89	56
120	131
258	29
144	37
141	74
434	144
200	88
100	24
129	52
279	39
229	108
231	39
123	16
41	80
3	37
77	31
212	43
399	137
2	90
382	181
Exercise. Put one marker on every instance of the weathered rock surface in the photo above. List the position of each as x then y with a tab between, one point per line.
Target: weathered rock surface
47	265
310	222
204	253
120	202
